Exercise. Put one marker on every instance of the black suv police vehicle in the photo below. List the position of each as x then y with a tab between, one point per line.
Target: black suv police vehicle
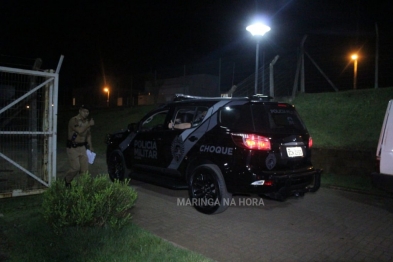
216	147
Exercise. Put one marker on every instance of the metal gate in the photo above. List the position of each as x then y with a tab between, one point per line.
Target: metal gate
28	130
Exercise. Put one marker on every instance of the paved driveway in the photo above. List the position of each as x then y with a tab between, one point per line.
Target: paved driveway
329	225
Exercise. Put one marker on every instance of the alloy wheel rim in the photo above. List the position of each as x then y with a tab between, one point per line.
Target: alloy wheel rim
204	187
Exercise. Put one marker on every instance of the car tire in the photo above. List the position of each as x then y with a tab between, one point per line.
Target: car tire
116	166
207	190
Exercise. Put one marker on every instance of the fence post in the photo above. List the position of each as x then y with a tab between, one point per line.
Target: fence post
271	77
33	125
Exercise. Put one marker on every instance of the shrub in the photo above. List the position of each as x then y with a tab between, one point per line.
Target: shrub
88	202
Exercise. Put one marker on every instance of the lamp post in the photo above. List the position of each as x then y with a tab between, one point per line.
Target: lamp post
106	89
257	30
355	69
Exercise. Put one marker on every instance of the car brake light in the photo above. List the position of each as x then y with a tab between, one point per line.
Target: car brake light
310	142
251	141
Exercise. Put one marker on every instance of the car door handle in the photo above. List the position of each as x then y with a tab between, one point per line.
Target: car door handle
193	138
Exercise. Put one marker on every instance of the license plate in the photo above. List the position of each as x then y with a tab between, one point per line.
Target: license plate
294	151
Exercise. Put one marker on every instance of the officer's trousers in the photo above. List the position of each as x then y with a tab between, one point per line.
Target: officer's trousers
77	158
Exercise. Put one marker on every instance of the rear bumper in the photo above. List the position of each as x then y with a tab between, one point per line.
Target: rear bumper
292	181
283	186
291	187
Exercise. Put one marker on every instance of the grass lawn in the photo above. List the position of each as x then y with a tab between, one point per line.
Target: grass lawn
24	236
347	120
350	120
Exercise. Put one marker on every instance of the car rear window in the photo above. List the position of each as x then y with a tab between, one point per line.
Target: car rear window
262	118
236	117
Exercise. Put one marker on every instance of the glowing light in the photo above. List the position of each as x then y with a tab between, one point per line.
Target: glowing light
107	90
258	29
355	57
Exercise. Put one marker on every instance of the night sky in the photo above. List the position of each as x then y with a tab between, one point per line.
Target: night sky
133	37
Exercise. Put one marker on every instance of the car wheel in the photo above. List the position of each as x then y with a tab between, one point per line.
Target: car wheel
207	190
116	166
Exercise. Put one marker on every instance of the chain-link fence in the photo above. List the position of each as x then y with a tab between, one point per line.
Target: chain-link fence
326	67
28	128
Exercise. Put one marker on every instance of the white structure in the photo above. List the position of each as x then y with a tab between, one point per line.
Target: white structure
28	130
384	156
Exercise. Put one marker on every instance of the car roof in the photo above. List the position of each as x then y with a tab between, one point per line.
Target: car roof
182	97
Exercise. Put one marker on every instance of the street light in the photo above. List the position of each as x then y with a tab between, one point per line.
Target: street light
106	89
257	30
355	69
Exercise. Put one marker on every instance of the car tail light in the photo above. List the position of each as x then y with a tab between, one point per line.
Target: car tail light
251	141
310	142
